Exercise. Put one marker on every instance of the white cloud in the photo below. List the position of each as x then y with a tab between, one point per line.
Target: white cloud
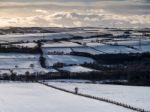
112	13
77	23
41	11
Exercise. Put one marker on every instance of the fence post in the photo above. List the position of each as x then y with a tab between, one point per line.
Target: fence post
76	90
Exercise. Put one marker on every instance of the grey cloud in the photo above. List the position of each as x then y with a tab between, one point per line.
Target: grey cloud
113	13
104	19
116	6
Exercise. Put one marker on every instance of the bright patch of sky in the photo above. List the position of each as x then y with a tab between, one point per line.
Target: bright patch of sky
75	13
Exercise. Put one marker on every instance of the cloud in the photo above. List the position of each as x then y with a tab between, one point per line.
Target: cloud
69	13
41	11
77	19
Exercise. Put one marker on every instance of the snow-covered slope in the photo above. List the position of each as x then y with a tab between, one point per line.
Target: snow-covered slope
21	63
56	50
60	45
67	59
76	69
46	36
28	45
135	96
33	97
17	60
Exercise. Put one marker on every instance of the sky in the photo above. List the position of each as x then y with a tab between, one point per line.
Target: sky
75	13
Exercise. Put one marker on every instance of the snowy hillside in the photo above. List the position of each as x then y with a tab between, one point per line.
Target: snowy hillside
135	96
78	69
67	60
20	64
33	97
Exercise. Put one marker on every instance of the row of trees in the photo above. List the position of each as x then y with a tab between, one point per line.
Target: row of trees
132	77
26	77
9	49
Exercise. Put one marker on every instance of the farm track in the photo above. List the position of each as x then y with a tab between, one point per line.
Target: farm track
97	98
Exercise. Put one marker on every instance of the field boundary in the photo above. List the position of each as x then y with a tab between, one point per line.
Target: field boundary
97	98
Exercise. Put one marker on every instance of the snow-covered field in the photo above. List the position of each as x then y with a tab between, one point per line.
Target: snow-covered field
60	45
46	36
130	42
135	96
17	60
67	60
29	45
141	45
18	55
76	69
100	48
56	50
109	49
91	38
67	50
86	50
20	64
34	71
32	37
33	97
107	46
